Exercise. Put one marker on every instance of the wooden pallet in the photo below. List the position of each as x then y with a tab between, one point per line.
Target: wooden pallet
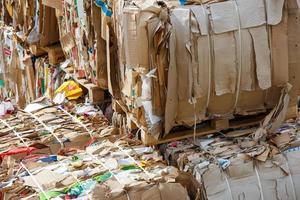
95	93
206	128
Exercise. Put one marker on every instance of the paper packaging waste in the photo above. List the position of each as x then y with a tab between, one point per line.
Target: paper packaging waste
105	170
81	39
39	138
25	71
181	63
235	165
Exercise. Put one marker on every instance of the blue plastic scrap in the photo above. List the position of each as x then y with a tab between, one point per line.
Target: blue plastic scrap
182	2
104	7
49	159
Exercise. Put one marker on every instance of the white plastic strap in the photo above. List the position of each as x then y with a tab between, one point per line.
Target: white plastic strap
228	185
269	32
194	101
259	182
291	179
120	148
35	181
195	123
240	68
15	132
138	164
32	177
209	57
103	165
46	127
77	121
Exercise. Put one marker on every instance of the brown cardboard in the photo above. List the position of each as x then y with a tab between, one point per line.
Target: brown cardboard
254	180
193	91
30	77
101	68
280	52
57	4
48	26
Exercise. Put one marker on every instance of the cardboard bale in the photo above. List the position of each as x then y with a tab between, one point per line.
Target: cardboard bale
180	54
80	36
235	165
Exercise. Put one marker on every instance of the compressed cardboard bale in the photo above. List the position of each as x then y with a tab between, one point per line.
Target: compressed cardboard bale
207	79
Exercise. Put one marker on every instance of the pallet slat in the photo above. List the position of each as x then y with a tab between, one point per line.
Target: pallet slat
214	127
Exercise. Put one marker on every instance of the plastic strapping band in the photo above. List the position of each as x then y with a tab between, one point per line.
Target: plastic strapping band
238	87
122	150
103	165
209	57
46	127
269	41
32	177
35	181
77	121
259	182
15	132
228	185
291	178
76	179
195	122
93	156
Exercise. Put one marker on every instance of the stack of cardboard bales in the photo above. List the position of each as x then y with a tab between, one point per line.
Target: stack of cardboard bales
28	32
81	39
184	64
43	40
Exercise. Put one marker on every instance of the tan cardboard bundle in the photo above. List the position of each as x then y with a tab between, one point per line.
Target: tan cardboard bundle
81	39
185	64
235	165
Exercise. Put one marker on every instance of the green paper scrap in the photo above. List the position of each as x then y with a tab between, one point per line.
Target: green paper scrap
80	188
129	167
43	86
104	177
2	84
76	190
44	132
50	194
75	158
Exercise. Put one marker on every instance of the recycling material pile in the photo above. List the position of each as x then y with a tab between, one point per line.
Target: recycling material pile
40	40
46	128
236	165
82	39
183	64
166	64
28	71
71	152
102	171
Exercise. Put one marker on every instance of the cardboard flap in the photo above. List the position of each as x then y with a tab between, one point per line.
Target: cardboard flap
202	18
274	11
223	17
228	15
180	19
262	55
225	70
